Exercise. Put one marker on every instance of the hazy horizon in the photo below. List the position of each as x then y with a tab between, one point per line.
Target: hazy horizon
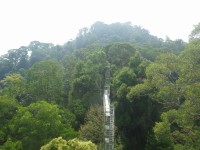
58	21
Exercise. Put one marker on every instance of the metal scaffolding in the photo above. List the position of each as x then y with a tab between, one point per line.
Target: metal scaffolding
109	114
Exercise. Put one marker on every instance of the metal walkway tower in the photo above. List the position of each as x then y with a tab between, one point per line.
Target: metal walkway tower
109	114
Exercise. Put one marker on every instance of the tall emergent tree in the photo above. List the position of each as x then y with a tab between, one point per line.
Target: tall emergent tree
44	81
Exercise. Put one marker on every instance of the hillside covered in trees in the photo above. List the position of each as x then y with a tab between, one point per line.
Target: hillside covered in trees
51	95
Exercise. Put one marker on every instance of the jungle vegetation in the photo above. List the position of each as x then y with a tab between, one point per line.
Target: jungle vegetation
51	95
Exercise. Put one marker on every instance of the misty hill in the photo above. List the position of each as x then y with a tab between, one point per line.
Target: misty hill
102	34
99	34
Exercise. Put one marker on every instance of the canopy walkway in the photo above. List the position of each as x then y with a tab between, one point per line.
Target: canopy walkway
109	114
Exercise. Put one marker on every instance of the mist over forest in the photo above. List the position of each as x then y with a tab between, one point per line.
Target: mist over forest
51	95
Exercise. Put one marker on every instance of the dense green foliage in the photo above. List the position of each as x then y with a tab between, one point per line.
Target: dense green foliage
51	95
74	144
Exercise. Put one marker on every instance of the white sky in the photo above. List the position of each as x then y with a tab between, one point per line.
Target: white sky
57	21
